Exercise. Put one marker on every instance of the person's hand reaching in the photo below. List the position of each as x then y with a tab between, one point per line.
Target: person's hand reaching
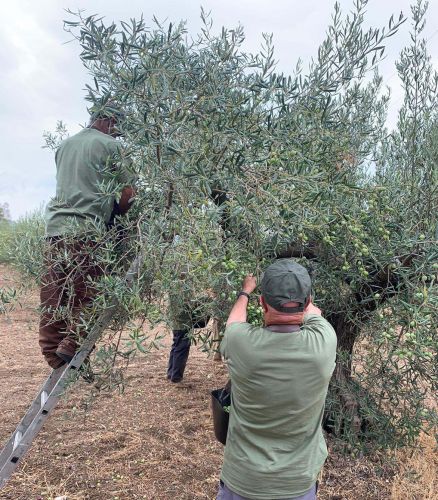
249	284
312	309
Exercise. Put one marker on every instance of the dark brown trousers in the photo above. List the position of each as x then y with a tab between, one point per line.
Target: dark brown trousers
66	292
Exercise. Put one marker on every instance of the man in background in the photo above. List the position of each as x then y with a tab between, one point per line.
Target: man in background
279	379
184	317
78	210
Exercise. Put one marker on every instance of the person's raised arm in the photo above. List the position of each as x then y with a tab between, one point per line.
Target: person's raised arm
238	312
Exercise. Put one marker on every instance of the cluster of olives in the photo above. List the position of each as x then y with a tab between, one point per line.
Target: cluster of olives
254	314
229	264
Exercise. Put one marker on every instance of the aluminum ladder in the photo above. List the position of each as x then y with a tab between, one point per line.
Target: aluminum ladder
52	389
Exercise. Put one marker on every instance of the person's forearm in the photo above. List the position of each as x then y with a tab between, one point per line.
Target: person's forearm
238	312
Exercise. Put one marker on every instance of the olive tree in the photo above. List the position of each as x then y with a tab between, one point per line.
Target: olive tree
238	164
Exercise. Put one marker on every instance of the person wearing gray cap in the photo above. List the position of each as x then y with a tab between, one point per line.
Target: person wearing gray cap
279	375
82	164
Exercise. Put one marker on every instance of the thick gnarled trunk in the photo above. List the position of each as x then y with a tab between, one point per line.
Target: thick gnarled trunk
343	415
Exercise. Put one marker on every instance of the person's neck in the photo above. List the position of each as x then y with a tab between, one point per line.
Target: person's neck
104	130
273	317
283	328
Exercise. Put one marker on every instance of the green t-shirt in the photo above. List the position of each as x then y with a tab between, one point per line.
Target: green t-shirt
275	445
83	162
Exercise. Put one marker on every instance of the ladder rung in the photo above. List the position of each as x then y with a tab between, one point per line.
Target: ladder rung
43	398
17	439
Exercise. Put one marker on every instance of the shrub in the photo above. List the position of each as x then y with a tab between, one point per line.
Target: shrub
6	229
25	246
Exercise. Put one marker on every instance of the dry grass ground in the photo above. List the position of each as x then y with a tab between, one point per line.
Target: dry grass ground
155	441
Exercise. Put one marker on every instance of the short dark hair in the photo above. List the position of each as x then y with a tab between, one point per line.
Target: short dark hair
108	110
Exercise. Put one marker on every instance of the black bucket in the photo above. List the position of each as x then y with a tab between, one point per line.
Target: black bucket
221	417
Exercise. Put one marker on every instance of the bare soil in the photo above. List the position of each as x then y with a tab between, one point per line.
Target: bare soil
156	440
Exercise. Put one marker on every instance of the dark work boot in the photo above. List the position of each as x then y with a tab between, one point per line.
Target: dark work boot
66	349
65	357
85	369
179	354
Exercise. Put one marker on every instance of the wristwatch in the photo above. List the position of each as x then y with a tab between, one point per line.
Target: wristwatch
243	293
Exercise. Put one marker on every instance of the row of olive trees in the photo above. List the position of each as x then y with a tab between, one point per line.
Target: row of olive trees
238	164
7	293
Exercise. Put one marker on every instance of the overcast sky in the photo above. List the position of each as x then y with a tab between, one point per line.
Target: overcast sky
43	79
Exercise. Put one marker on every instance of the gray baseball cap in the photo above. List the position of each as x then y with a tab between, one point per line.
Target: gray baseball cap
286	281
